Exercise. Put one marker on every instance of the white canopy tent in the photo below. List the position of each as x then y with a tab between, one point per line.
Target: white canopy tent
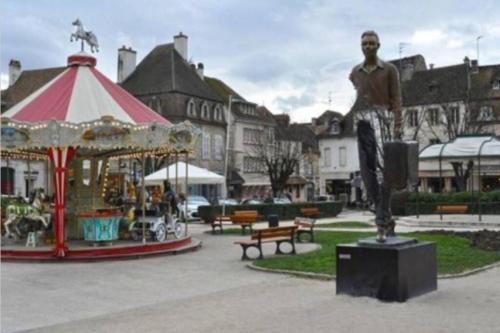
196	175
464	147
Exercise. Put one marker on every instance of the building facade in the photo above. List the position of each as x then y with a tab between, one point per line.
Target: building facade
166	82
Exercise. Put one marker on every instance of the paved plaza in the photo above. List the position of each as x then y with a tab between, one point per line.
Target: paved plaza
211	290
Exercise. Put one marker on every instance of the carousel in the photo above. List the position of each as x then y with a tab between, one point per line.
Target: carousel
82	124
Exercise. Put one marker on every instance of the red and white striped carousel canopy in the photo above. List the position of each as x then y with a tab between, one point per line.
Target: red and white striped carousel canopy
82	94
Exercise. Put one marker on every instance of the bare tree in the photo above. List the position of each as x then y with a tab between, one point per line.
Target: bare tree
456	124
279	158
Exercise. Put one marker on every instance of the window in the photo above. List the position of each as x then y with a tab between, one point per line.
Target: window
218	148
433	116
251	135
454	115
412	118
252	165
308	167
335	127
342	156
205	113
270	135
496	84
218	113
191	108
327	158
433	87
486	113
205	150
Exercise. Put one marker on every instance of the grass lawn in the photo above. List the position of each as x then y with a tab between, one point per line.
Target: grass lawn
455	255
346	224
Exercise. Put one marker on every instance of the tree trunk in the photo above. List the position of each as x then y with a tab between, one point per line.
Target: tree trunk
462	176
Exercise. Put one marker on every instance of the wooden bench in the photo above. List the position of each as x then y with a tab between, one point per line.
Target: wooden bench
242	218
276	235
304	226
310	212
245	219
462	209
219	221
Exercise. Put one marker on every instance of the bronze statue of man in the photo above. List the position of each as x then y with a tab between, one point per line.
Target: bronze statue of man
377	86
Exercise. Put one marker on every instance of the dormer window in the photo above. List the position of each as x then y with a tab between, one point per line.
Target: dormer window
496	84
335	127
205	112
191	108
218	113
433	87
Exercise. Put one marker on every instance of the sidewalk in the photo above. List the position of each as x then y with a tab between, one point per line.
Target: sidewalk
211	290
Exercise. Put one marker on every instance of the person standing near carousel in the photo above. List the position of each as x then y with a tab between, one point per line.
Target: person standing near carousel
169	199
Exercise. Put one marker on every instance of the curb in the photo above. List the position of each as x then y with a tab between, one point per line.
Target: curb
314	276
328	277
469	272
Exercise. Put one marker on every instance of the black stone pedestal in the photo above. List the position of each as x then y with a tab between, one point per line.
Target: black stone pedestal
392	272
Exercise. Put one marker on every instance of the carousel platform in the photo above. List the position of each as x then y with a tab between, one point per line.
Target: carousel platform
80	250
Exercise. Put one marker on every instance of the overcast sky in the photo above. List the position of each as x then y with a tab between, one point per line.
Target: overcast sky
292	56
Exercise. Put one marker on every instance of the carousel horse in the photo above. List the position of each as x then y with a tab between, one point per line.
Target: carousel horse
87	36
24	218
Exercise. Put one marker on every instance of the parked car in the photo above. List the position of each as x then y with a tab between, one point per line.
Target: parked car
194	201
324	198
228	202
251	201
278	200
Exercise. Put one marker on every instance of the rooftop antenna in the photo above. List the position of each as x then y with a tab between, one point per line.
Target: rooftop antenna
401	47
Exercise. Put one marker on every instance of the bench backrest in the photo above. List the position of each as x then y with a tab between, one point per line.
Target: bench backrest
246	212
452	208
274	232
304	222
310	211
244	218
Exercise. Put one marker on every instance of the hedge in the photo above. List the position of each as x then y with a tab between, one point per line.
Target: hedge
284	211
405	203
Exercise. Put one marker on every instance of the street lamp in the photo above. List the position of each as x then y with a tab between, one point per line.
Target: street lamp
477	47
231	98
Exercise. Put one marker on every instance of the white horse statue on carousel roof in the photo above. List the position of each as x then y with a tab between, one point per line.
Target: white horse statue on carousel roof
87	36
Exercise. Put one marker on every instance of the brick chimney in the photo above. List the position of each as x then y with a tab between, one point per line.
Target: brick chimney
14	71
181	45
200	70
474	67
126	63
282	119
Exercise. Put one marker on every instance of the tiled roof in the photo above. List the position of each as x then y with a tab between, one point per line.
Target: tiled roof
482	83
28	82
438	85
346	125
299	132
164	70
264	114
223	91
